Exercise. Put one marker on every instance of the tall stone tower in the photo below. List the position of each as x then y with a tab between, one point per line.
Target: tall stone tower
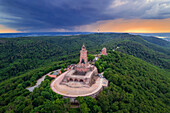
83	57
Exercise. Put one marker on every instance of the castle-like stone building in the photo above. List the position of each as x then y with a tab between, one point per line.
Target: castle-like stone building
80	80
82	74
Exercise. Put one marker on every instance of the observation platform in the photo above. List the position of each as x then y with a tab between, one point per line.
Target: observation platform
73	92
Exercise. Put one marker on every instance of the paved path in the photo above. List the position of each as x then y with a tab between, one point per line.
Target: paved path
39	82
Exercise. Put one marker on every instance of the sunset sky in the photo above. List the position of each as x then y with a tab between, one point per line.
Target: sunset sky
138	16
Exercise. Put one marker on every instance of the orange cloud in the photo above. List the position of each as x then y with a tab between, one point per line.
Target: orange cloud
4	29
130	25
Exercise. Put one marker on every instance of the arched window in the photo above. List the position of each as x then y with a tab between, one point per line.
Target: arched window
76	80
82	61
71	79
81	80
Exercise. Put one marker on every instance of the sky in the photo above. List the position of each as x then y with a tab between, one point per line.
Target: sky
138	16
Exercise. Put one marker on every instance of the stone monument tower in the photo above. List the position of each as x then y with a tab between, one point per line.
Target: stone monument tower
83	57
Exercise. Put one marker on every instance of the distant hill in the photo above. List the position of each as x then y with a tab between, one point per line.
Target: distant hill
156	41
138	46
141	51
167	39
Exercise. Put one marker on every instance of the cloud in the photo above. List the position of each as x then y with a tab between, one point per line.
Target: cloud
50	15
129	25
4	29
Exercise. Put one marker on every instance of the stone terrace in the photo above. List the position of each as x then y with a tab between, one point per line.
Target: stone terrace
75	92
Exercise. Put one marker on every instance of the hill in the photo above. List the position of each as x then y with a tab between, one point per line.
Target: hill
18	55
25	59
138	47
135	85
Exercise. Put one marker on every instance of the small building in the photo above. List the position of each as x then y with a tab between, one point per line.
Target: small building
96	58
59	71
52	76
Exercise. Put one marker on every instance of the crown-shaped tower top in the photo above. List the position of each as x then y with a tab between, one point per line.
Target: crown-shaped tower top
83	47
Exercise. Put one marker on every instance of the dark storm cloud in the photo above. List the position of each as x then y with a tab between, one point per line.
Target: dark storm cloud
30	15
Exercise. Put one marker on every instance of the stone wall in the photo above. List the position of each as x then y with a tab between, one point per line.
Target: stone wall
73	99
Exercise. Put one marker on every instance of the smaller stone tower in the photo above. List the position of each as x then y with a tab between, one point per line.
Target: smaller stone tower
104	51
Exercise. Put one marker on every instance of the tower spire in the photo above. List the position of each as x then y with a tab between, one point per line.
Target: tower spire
83	56
83	47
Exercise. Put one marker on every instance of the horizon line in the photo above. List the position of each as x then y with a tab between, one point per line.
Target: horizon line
84	32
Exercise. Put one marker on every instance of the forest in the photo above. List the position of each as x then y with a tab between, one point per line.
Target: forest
137	67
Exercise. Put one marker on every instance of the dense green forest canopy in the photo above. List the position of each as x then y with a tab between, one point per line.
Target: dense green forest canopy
135	86
138	83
